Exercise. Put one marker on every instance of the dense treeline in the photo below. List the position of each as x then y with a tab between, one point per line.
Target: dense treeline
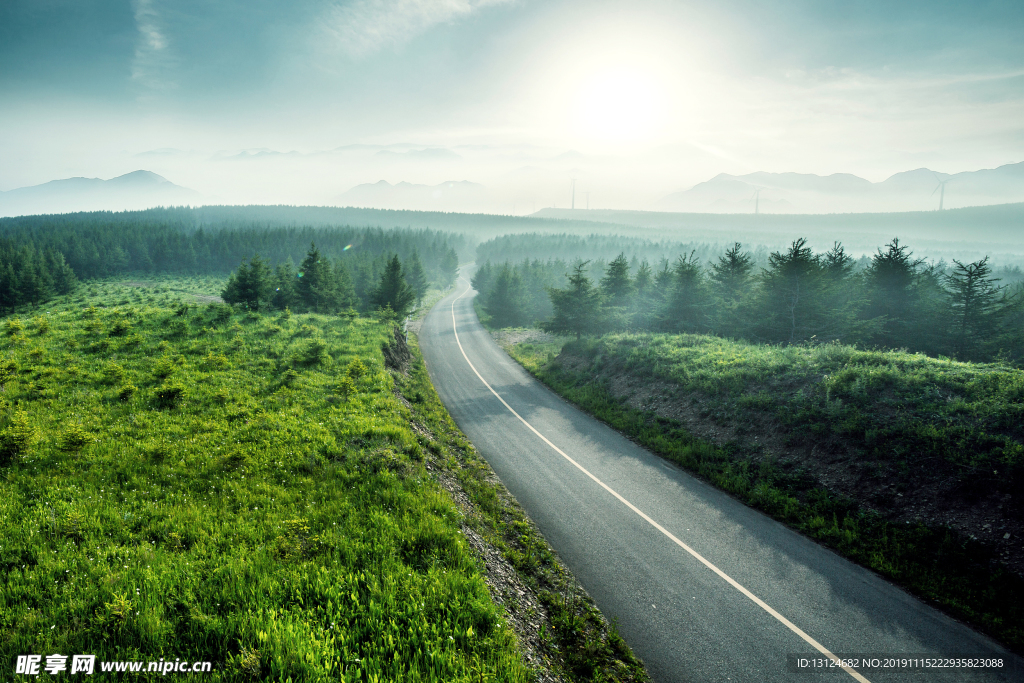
890	300
324	285
45	255
597	249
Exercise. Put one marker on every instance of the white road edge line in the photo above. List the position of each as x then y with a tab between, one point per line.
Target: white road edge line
732	582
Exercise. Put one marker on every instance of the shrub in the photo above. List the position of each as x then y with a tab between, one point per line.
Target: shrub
125	393
163	368
220	313
114	373
42	325
217	361
355	369
17	436
74	439
14	326
346	387
169	395
121	328
314	352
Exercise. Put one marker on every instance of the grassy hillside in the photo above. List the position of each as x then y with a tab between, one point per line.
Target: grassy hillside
909	465
182	481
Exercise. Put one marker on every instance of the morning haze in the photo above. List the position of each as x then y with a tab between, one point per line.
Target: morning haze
527	341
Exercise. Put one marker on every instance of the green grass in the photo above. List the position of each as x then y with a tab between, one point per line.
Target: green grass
904	417
188	482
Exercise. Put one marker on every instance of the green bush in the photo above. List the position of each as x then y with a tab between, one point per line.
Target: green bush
169	395
74	438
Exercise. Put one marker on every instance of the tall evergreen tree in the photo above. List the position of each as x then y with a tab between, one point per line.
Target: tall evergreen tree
505	301
975	304
344	287
393	290
645	300
686	307
616	286
61	274
449	267
285	285
481	280
416	276
316	288
251	285
730	280
730	277
577	308
792	294
893	295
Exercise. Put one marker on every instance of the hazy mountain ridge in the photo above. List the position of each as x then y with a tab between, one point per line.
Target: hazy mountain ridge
136	190
452	195
916	190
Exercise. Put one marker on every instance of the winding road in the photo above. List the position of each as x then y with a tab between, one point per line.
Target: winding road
703	587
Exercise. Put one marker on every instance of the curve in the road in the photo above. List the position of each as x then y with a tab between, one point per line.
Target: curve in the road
732	582
679	611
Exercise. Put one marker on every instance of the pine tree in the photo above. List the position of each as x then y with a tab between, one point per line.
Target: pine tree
616	284
285	286
730	277
416	276
686	307
975	306
505	301
316	287
9	296
893	296
346	292
792	302
64	280
449	267
251	285
393	291
730	281
481	279
577	308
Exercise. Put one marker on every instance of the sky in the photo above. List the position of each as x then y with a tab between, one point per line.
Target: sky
262	101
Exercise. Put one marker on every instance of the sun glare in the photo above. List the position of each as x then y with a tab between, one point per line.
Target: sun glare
619	105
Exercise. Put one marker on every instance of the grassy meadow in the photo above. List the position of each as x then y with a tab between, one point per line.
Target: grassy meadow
183	481
913	435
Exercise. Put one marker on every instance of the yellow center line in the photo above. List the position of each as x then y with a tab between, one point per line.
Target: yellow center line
707	563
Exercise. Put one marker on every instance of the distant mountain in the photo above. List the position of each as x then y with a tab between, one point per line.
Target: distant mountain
915	190
132	191
462	196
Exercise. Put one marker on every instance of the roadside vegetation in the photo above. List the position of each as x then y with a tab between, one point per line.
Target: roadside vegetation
785	379
908	465
890	300
259	490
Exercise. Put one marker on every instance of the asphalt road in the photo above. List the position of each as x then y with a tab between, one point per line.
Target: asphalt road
703	588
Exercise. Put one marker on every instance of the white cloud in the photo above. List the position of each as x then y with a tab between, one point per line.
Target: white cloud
153	58
363	27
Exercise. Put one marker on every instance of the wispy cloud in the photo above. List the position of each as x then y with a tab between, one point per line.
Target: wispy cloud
153	59
362	27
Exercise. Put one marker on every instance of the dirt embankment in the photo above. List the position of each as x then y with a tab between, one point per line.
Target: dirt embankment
930	493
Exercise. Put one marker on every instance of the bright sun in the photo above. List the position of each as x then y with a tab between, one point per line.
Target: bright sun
619	105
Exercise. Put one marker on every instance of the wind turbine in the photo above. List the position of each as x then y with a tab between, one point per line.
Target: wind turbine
941	189
757	200
573	206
